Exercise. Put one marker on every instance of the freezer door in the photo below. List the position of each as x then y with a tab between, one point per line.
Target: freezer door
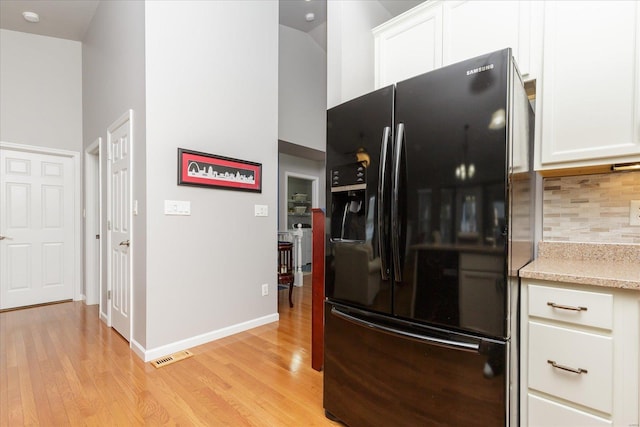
378	375
450	176
359	139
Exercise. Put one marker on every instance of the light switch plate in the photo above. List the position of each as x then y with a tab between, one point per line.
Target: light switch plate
261	210
177	207
634	212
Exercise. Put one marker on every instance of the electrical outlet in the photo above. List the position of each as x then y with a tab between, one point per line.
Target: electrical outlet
634	212
265	289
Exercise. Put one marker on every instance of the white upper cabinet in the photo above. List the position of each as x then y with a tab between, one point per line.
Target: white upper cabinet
589	89
473	28
437	33
409	44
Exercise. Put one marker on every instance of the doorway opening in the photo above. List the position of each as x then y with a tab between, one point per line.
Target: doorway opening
301	196
93	225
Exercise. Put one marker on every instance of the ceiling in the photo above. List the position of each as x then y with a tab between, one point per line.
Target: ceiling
65	19
69	19
293	12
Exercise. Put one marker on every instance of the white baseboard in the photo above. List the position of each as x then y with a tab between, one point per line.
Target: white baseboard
137	349
154	353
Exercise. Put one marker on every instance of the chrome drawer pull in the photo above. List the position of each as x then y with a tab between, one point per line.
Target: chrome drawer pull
566	368
566	307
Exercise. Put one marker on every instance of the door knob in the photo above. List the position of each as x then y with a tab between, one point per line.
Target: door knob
5	237
125	243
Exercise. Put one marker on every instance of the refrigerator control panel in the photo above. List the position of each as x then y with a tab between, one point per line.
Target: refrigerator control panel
349	177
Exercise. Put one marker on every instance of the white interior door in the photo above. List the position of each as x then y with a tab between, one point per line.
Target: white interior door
37	228
119	224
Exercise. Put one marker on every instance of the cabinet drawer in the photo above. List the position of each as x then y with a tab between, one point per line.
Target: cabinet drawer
543	412
569	305
576	350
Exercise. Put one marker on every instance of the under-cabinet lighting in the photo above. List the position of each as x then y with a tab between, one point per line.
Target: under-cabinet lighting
626	167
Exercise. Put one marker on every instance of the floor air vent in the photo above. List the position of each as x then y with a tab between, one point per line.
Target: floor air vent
172	358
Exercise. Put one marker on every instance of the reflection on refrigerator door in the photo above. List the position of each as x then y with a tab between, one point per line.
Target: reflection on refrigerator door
357	273
469	216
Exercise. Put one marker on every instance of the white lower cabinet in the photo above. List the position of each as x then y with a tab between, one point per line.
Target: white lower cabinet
545	412
557	366
579	350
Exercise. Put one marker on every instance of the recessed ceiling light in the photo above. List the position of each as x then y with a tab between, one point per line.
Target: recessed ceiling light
31	17
310	16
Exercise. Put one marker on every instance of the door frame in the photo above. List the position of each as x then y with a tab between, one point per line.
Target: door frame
93	221
298	276
126	117
314	189
77	223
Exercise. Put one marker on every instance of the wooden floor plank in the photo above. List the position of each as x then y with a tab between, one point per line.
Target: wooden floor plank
60	365
58	415
13	412
4	381
38	384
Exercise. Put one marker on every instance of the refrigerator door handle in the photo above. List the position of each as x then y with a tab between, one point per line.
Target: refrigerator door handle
455	345
382	244
395	234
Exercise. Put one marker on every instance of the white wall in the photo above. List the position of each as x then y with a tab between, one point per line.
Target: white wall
302	79
350	48
40	91
212	86
113	82
319	35
299	166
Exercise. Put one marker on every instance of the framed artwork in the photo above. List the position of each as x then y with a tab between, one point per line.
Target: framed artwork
208	170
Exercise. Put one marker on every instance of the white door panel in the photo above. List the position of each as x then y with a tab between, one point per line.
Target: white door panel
37	221
119	220
18	267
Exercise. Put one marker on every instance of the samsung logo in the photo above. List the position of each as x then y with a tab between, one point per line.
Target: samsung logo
480	69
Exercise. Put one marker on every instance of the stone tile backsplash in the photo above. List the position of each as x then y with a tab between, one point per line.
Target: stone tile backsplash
590	208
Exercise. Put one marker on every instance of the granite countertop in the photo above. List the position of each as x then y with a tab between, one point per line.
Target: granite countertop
608	265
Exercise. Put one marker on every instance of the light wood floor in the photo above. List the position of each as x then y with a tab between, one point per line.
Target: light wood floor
60	365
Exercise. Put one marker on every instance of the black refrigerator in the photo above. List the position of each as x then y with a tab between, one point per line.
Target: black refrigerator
429	218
